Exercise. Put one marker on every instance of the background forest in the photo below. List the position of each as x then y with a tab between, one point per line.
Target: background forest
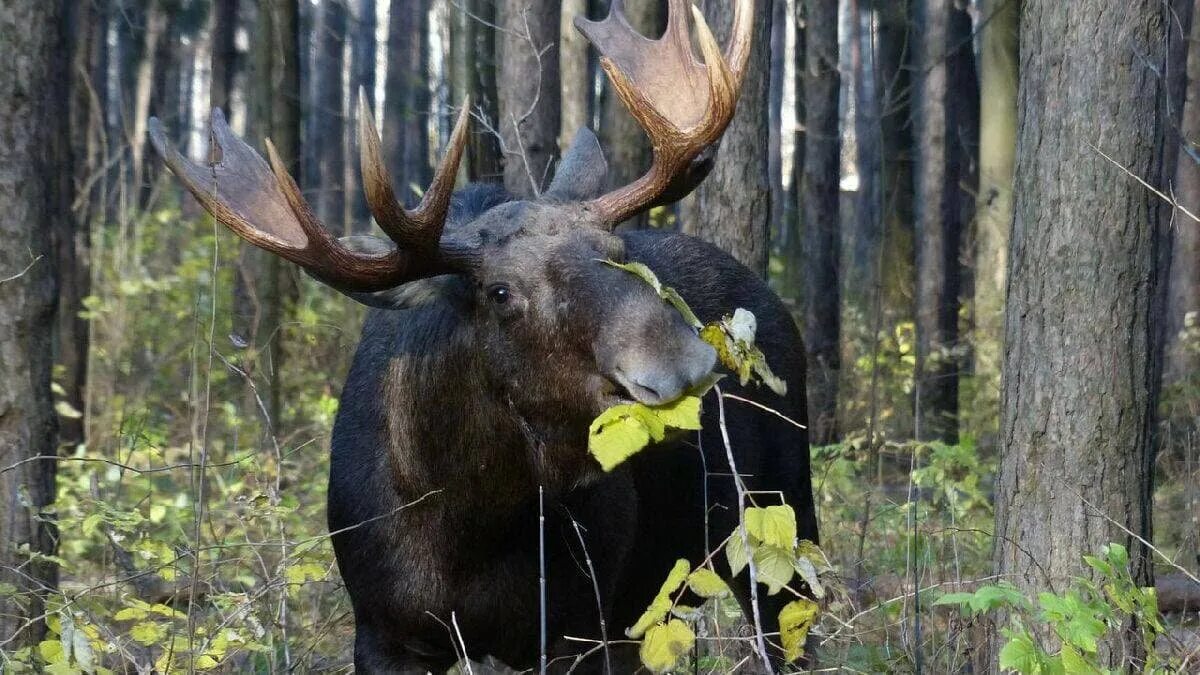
980	211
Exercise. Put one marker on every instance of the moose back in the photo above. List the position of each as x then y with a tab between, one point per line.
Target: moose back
499	333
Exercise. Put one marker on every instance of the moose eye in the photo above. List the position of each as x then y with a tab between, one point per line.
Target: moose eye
499	294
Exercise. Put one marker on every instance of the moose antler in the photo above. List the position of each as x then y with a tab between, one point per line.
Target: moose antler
262	204
682	104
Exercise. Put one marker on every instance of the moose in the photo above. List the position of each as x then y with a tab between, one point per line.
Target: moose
459	467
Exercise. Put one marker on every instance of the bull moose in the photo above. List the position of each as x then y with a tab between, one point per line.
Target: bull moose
497	335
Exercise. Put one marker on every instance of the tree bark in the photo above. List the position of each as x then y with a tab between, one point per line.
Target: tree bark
156	26
406	108
265	286
483	153
329	115
1082	334
822	231
573	64
530	90
893	97
732	208
362	70
997	148
31	50
938	227
224	53
1182	359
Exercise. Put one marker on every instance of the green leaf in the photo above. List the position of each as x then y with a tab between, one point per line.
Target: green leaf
298	574
664	644
962	600
1020	654
795	620
773	525
1074	664
735	552
51	651
148	633
774	567
660	606
676	300
706	584
987	598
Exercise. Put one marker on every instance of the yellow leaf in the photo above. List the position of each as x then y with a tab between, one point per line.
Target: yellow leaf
148	632
616	440
661	604
705	583
664	644
715	336
682	413
795	620
774	525
51	651
774	567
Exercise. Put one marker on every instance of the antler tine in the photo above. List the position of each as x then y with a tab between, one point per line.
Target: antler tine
683	105
421	228
262	204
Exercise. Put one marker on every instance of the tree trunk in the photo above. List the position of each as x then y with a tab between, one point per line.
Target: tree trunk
529	87
406	113
821	192
625	143
779	200
483	152
328	114
1083	341
156	26
793	239
224	53
265	286
362	76
573	64
1182	359
937	232
31	95
997	148
732	207
83	28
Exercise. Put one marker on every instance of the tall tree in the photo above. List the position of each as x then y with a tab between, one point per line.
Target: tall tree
406	107
224	52
84	36
267	288
731	208
362	75
894	255
329	114
483	152
530	91
31	95
156	27
1182	360
937	230
820	195
573	64
1082	334
997	149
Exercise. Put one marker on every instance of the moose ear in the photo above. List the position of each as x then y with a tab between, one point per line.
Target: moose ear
582	173
407	295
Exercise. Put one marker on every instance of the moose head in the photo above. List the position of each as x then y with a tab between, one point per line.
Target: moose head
562	335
